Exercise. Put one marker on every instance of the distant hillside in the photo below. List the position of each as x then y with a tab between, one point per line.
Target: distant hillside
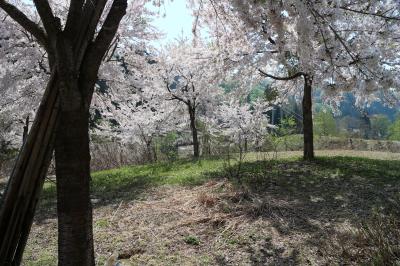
348	108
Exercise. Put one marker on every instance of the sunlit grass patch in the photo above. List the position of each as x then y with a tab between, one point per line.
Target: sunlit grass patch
134	178
257	170
196	213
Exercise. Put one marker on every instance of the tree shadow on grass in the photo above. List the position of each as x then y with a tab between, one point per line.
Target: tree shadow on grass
328	185
110	187
303	195
314	198
103	193
301	200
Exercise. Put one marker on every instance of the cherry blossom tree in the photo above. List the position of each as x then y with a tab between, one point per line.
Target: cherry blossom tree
88	55
149	117
74	39
336	45
23	68
190	75
243	123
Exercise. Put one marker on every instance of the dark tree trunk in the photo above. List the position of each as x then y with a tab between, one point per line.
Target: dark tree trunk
26	130
154	147
307	119
193	128
206	148
75	53
150	150
26	181
78	76
307	110
75	238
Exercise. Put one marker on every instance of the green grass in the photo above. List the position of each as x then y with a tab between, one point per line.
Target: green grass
129	182
192	240
298	199
377	171
178	172
134	178
43	258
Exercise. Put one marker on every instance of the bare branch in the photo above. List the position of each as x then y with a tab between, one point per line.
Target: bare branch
298	74
107	32
113	47
74	17
381	15
50	23
91	14
30	26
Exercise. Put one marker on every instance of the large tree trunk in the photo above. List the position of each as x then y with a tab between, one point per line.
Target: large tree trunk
193	128
75	237
307	119
26	181
75	53
78	76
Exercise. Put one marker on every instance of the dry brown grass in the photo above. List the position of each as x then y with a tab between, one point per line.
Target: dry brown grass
294	220
230	229
378	155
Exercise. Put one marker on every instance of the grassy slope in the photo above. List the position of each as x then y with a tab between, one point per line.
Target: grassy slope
292	207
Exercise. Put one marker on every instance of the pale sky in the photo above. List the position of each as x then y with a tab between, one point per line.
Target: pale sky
177	21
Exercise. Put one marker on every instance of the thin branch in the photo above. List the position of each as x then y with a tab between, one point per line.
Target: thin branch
30	26
298	74
113	47
107	32
381	15
355	58
174	97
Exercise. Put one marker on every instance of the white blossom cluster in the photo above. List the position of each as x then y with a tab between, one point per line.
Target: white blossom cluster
345	45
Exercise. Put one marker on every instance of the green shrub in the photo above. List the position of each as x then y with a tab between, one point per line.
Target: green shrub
192	240
324	123
168	146
394	130
380	127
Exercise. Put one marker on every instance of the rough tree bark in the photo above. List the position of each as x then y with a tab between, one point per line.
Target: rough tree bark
25	184
25	129
308	134
75	238
74	58
193	128
74	209
308	152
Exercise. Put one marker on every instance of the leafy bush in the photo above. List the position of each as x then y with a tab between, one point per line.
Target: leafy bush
168	146
5	144
380	127
394	130
192	240
286	127
282	138
324	123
